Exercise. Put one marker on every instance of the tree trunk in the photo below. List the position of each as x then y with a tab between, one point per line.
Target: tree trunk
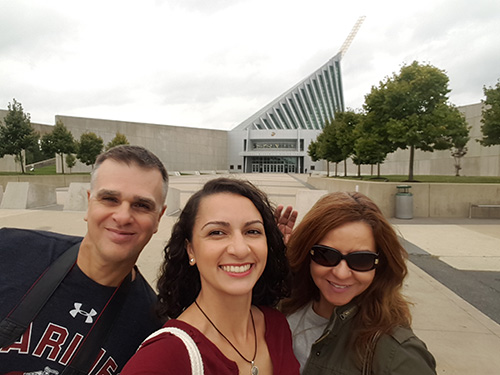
327	168
62	162
378	169
359	170
336	169
412	157
345	167
20	158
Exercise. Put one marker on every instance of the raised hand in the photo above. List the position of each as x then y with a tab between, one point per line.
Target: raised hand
285	219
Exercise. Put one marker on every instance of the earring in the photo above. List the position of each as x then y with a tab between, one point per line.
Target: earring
191	261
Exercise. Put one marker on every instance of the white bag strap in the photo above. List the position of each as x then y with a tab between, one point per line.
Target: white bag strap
192	348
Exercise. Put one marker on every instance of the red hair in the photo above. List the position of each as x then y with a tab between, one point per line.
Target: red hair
382	305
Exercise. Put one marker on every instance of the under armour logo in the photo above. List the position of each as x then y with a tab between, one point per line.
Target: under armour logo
78	310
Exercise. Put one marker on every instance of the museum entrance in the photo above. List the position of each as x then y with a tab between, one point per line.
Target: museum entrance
274	164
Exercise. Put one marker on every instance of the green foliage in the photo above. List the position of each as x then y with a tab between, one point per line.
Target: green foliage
70	161
413	109
459	149
328	148
34	155
312	151
17	133
336	142
119	139
59	141
89	147
491	116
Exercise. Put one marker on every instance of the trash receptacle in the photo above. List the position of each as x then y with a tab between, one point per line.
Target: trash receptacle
404	202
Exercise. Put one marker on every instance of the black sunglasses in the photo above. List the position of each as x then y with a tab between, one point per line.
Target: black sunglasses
361	261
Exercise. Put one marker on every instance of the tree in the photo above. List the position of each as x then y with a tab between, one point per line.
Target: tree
413	107
119	139
372	142
325	148
89	147
458	152
17	134
59	141
491	116
344	124
70	161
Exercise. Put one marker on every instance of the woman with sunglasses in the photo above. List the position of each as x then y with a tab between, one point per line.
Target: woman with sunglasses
346	311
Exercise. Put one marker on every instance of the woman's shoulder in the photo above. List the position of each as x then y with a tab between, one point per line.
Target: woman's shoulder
403	350
161	350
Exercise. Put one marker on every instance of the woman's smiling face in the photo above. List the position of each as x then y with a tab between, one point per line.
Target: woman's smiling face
228	244
339	285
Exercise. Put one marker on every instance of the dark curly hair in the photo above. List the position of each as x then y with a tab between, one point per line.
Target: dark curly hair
179	283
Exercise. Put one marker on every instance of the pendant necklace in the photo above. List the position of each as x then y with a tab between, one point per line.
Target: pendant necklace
255	369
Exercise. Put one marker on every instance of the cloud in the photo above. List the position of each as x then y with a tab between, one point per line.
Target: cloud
215	63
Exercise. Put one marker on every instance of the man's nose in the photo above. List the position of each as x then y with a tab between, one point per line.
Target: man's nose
122	214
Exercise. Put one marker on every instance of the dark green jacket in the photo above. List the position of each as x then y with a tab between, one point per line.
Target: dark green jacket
400	353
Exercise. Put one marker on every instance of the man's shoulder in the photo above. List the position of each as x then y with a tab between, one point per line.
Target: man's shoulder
35	237
33	248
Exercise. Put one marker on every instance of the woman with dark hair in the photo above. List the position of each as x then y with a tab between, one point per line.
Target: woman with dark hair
224	271
346	312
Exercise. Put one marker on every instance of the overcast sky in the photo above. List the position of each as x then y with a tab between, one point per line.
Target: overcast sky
213	63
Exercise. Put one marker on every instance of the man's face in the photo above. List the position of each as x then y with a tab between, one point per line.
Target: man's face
124	209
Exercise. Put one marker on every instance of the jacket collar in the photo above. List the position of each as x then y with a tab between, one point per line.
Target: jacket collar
341	315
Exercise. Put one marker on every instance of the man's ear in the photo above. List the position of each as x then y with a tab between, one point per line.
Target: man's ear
160	215
88	203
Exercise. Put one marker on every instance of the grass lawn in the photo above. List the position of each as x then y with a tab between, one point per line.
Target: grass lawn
48	170
43	171
429	179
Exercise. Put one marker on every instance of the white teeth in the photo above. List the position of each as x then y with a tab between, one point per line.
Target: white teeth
236	269
338	286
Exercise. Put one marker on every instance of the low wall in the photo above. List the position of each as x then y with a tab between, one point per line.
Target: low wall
59	180
429	200
22	195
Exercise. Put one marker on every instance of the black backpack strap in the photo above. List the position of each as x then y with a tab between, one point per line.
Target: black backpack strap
18	320
86	355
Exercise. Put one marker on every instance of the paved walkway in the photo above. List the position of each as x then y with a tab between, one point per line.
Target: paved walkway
464	340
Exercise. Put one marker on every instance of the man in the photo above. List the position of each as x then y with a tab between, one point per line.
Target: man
125	204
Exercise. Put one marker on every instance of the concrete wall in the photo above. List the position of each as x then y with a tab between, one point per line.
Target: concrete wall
429	200
179	148
479	160
59	180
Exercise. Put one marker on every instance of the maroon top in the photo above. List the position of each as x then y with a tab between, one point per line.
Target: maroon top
166	353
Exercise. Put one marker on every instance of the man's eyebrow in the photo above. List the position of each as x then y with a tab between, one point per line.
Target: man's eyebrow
103	192
145	200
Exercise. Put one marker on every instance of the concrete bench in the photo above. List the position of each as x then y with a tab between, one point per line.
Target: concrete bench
76	199
25	195
481	206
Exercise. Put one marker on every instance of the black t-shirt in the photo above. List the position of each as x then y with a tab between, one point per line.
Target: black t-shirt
54	335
